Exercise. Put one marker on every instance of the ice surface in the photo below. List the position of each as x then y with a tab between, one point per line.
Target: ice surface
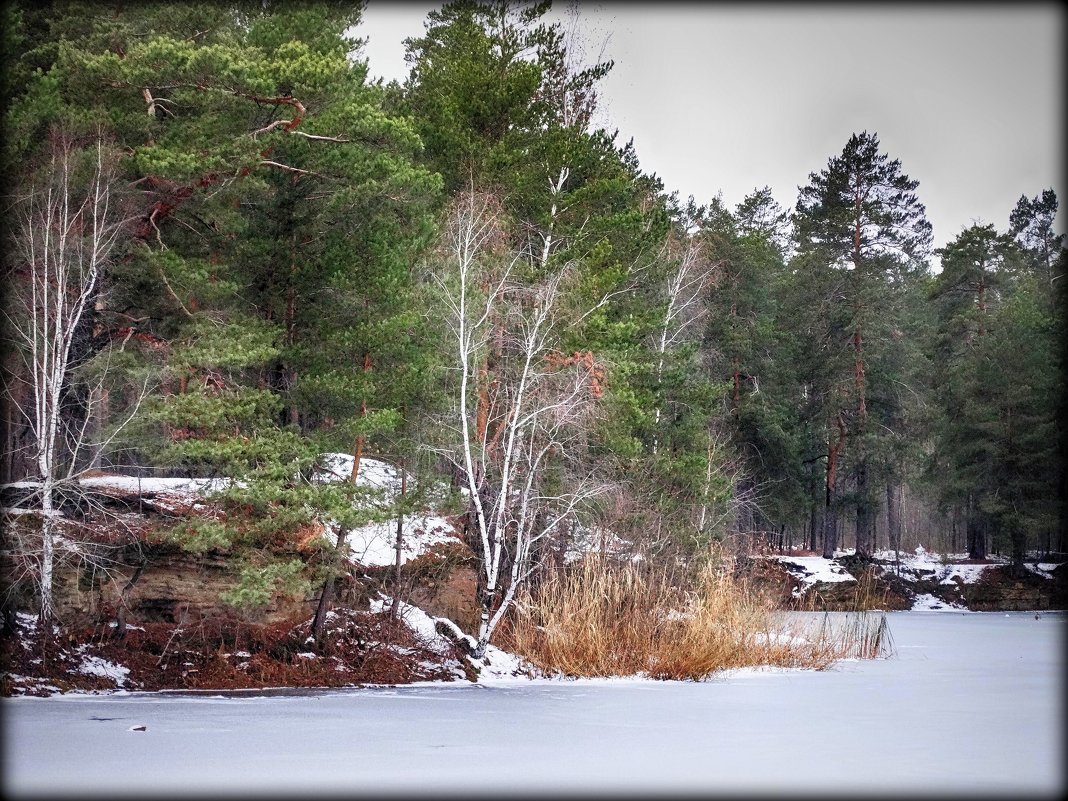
970	704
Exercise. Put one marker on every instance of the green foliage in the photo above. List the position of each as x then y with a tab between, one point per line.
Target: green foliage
863	235
270	292
995	458
469	85
1031	225
200	535
259	584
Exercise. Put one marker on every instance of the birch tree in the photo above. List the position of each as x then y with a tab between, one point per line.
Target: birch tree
509	428
689	277
67	230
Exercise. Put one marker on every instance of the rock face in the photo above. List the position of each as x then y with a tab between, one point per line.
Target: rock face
442	582
160	584
877	587
164	584
151	580
997	590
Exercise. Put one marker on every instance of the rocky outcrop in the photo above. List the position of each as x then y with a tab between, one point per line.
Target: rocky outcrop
442	582
999	590
877	586
161	584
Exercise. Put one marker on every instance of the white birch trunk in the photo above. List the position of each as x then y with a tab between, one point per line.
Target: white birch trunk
530	409
684	308
65	242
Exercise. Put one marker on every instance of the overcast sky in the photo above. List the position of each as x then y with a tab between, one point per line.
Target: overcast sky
724	97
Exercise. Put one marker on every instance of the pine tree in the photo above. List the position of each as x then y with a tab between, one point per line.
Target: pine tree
1031	224
743	339
862	215
280	214
472	83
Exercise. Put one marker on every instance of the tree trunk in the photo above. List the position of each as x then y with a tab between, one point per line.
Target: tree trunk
830	530
975	531
47	550
398	545
834	451
1018	541
357	449
813	526
326	598
289	374
98	403
893	516
865	517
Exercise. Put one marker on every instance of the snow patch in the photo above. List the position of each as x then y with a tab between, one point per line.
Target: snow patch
961	574
810	570
16	511
95	666
374	473
925	602
418	621
1044	569
374	545
140	485
495	666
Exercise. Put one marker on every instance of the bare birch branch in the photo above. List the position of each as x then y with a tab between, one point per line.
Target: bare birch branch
66	232
535	399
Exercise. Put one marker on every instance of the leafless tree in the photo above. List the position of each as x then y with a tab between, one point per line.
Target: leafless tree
689	277
66	231
514	418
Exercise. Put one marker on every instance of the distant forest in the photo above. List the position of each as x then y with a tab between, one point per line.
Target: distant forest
228	253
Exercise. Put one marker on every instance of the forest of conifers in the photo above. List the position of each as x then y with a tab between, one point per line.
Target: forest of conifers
228	253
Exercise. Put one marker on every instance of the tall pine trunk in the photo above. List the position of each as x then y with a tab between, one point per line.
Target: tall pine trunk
813	526
865	515
326	598
893	515
976	531
834	453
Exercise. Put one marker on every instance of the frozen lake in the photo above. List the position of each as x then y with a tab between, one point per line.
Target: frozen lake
969	704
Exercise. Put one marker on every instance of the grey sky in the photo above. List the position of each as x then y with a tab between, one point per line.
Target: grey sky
731	97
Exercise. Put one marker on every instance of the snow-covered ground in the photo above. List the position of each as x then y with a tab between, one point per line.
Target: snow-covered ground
812	570
968	705
374	545
496	665
181	486
919	564
167	493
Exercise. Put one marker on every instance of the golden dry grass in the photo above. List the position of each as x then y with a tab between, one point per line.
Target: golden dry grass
605	619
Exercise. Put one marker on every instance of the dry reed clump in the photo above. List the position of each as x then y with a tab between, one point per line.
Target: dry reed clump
868	596
601	618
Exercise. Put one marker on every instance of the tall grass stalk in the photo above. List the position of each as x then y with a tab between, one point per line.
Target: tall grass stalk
601	618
